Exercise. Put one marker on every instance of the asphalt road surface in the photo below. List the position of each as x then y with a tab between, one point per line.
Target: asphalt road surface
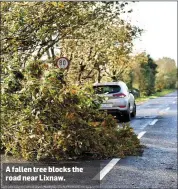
156	126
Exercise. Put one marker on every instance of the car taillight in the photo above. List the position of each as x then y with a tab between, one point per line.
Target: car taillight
119	95
122	106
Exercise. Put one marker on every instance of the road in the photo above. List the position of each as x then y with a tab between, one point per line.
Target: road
156	122
156	126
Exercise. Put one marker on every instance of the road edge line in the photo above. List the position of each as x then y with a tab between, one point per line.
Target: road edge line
139	136
106	169
167	108
153	122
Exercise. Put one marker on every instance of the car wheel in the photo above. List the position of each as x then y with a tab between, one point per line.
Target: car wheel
133	114
127	115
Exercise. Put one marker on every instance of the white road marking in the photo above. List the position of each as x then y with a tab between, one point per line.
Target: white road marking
106	169
153	122
167	108
149	123
141	134
164	111
143	126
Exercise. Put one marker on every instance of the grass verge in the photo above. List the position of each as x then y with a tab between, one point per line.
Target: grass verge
155	95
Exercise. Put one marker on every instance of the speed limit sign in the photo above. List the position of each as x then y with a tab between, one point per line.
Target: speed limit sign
62	62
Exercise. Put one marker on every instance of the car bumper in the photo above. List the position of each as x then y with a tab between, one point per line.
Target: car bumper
115	111
114	108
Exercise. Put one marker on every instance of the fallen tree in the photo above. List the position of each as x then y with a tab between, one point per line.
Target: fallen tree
43	117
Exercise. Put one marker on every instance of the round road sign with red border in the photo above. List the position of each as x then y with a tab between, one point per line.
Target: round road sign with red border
62	63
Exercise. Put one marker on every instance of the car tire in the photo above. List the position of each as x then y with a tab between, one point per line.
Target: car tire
127	115
133	114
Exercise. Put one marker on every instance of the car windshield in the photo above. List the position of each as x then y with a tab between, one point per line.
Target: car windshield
107	89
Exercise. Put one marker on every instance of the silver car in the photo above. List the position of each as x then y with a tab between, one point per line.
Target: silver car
118	101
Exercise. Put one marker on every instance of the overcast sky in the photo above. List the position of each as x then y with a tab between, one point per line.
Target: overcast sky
159	20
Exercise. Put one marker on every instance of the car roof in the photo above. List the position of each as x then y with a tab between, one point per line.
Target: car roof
109	83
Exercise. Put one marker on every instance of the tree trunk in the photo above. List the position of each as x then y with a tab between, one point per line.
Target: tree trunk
99	76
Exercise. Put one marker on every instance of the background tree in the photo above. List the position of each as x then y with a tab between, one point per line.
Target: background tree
149	75
166	76
87	32
144	73
165	65
96	56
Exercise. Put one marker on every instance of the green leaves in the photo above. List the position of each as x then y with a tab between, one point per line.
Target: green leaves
48	112
52	120
83	31
166	74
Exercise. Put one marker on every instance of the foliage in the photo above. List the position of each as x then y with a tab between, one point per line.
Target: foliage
165	65
144	74
100	54
149	75
46	118
167	74
30	26
92	35
44	114
86	32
